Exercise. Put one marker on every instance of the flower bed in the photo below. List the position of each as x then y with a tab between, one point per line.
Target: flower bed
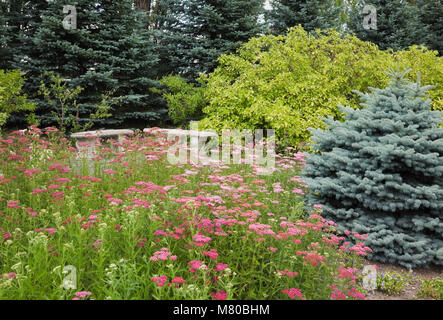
139	228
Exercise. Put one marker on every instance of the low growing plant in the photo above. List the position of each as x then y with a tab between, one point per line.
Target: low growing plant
391	283
431	288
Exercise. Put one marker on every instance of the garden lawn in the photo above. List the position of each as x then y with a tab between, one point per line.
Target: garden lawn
137	227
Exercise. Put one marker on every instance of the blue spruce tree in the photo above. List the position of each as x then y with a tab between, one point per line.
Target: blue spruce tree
380	172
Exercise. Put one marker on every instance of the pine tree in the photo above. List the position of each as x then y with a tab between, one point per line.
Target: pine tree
4	37
19	21
398	24
380	173
109	51
144	5
193	33
311	14
431	16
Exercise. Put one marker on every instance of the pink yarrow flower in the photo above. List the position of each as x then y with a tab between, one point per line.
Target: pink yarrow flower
211	254
293	293
221	295
221	267
82	295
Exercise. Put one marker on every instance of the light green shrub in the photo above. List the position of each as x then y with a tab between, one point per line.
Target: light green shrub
288	82
185	100
11	97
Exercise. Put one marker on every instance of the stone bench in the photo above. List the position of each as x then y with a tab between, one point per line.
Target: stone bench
195	137
89	137
179	132
194	140
85	142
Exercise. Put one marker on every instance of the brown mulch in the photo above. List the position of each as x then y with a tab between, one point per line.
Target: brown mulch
411	288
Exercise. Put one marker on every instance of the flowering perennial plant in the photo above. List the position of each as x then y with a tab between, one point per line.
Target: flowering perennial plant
132	226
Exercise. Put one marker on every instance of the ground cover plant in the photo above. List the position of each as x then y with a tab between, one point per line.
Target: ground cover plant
432	288
136	227
392	283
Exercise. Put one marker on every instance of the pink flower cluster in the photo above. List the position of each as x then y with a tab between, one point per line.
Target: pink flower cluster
178	280
288	273
336	294
311	257
359	248
195	264
294	293
82	295
221	267
160	280
10	275
347	273
201	239
163	255
261	229
211	254
220	295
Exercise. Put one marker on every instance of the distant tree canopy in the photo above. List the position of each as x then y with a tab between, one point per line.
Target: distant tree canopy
288	82
311	15
400	23
127	46
192	34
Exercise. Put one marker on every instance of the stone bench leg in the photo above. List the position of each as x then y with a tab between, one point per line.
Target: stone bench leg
85	152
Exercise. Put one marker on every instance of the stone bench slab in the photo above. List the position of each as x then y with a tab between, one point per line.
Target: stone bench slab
180	132
101	133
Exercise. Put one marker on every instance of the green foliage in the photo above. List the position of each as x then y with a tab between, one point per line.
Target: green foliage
380	173
116	54
64	107
288	82
431	288
391	283
11	97
3	118
192	34
19	21
419	59
400	23
113	243
185	100
310	14
431	16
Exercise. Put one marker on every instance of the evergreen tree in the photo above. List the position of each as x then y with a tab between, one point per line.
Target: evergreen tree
380	173
192	34
109	51
311	14
143	5
4	37
398	24
431	16
19	21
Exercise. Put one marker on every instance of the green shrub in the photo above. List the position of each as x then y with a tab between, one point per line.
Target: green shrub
185	100
288	82
380	173
391	283
11	97
63	104
431	288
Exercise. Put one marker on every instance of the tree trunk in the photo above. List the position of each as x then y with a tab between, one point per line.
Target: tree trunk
143	5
